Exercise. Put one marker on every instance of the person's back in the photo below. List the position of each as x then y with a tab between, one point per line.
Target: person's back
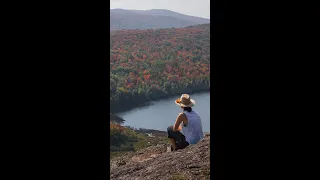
193	130
189	122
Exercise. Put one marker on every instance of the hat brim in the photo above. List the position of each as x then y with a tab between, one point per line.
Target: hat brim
193	102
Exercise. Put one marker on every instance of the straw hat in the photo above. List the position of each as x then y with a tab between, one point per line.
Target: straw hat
185	101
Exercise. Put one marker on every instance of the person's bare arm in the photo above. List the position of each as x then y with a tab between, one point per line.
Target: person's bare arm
179	119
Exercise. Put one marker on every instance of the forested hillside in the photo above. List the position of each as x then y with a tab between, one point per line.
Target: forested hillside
151	64
151	19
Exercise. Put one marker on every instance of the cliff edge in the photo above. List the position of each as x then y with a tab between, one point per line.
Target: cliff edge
156	162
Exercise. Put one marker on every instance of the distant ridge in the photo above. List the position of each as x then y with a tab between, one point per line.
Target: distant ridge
151	19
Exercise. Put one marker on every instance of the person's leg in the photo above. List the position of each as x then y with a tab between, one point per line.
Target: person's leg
172	137
173	144
182	144
175	138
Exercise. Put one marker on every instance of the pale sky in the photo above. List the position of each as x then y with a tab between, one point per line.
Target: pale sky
199	8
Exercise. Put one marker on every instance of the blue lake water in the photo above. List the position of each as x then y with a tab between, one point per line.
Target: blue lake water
162	113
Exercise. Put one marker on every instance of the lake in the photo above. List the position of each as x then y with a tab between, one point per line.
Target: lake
164	113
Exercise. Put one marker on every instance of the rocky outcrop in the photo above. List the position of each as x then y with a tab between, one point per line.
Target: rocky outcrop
156	162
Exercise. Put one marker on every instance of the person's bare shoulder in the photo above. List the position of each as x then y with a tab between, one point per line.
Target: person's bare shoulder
182	116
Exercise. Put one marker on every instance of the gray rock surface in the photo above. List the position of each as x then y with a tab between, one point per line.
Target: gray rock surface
155	162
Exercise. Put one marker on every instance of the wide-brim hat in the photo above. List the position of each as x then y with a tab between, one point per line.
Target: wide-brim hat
185	101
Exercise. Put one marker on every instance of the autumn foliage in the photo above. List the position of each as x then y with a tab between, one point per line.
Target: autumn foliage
121	138
150	64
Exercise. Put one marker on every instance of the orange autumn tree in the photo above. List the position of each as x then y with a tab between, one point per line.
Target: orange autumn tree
150	64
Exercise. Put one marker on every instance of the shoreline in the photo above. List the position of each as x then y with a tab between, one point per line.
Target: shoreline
148	103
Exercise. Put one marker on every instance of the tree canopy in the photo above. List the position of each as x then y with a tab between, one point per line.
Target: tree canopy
150	64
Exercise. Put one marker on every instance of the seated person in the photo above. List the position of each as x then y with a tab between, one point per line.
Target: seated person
189	122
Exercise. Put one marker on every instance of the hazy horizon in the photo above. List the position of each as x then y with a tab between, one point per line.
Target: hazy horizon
199	8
